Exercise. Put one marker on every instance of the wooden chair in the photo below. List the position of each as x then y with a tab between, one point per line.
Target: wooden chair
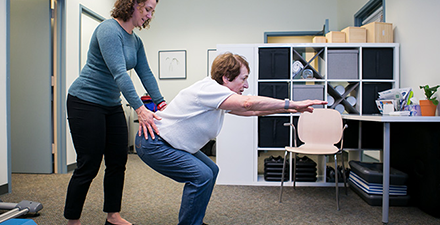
319	131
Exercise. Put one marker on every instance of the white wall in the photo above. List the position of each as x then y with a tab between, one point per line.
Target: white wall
101	7
197	26
3	110
346	10
415	28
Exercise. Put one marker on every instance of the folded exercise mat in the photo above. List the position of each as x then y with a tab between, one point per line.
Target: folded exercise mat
19	222
372	173
376	200
375	188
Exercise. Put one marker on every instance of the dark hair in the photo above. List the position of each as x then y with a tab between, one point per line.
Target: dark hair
228	65
123	9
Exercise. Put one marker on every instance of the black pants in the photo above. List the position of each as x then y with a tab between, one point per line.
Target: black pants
96	131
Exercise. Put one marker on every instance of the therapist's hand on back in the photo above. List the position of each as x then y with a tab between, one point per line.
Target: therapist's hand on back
146	121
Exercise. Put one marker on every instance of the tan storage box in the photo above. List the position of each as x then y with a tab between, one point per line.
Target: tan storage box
335	37
355	34
319	39
378	32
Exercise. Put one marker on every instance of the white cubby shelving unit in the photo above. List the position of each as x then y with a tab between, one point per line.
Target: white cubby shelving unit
242	146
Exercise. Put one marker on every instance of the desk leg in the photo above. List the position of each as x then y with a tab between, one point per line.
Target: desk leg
386	172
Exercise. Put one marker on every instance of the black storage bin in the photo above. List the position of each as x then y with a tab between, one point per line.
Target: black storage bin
273	167
274	63
273	90
377	63
371	138
370	94
272	132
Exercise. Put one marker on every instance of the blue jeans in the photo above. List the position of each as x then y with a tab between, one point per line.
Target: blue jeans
197	171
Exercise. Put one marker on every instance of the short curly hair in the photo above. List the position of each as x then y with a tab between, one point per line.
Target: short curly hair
228	65
123	9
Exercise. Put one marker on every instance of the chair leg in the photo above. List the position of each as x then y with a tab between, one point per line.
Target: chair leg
343	173
282	176
294	170
336	182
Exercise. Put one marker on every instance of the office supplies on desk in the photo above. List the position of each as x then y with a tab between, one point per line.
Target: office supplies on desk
401	97
414	110
386	106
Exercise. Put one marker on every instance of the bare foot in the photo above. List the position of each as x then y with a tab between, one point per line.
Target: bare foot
73	222
115	218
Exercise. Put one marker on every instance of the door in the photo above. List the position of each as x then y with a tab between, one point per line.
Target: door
30	86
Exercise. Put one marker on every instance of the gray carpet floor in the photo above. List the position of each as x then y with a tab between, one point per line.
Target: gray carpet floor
150	198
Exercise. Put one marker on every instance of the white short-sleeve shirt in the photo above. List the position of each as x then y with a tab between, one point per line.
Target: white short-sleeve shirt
193	118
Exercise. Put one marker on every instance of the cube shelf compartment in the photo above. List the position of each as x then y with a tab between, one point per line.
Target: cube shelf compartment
299	54
341	99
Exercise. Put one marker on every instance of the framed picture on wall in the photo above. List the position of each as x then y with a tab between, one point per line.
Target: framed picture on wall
172	64
212	53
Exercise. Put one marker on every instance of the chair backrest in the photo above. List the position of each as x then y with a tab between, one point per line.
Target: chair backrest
323	126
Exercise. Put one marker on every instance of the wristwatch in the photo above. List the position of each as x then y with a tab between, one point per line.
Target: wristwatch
286	103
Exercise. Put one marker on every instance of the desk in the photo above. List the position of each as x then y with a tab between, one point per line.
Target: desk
387	120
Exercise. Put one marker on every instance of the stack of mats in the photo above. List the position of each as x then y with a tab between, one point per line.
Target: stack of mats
305	169
273	167
366	180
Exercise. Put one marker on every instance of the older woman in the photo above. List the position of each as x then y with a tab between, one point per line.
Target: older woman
194	117
96	118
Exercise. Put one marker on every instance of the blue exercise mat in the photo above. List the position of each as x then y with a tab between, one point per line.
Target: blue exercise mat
19	222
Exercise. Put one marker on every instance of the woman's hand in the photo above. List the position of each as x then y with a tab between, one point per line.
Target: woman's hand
305	106
146	122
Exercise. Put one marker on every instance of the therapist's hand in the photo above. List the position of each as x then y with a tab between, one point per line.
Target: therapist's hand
146	122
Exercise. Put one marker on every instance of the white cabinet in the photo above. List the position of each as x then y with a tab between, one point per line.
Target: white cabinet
348	75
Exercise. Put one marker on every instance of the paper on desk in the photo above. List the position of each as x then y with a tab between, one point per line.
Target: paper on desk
401	96
386	106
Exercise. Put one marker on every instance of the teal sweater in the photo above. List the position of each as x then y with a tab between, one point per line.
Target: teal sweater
112	52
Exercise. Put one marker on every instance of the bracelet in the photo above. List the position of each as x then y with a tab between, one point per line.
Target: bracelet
286	103
161	105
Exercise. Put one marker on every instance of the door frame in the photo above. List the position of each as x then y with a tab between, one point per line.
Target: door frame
59	88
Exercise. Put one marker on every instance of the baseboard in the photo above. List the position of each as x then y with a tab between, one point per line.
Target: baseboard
71	167
4	189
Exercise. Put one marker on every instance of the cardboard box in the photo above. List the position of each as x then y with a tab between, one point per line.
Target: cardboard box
335	37
355	34
319	39
378	32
